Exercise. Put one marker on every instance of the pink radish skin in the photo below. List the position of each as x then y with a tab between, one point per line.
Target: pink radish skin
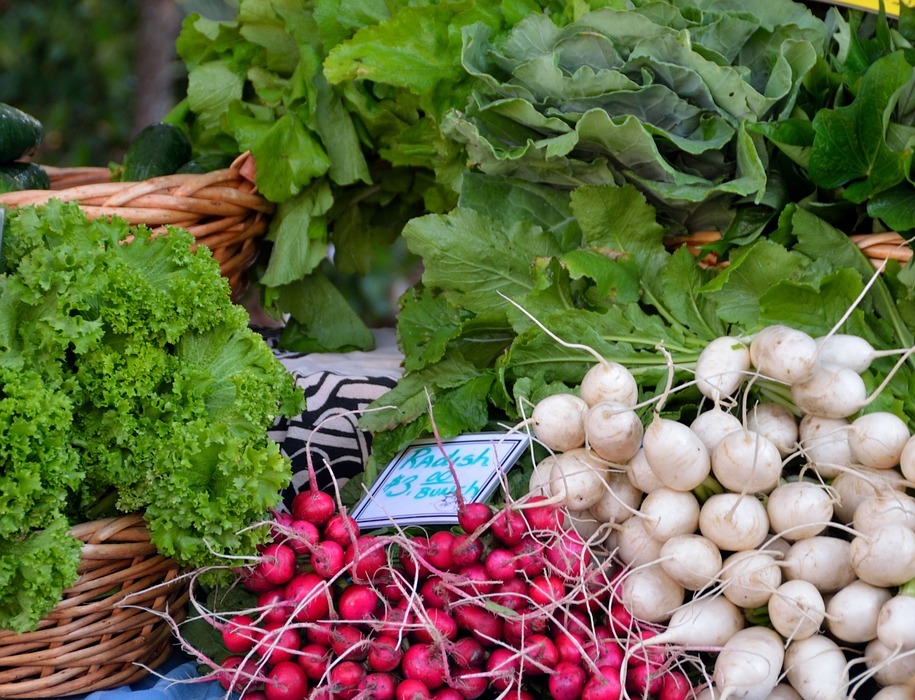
327	559
240	634
277	564
676	686
543	517
367	556
566	682
503	668
528	555
237	672
509	526
467	652
273	606
384	654
569	554
377	686
347	641
644	680
304	534
569	648
314	506
424	663
342	529
279	643
470	683
435	593
345	678
357	603
512	594
439	552
447	694
309	594
286	681
440	626
412	689
546	589
481	623
466	551
539	654
314	660
500	564
605	684
474	516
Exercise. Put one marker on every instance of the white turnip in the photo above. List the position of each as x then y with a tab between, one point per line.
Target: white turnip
889	666
776	423
634	546
650	595
619	500
613	431
749	578
851	613
712	425
885	509
852	487
577	479
609	381
830	392
876	440
885	556
816	668
783	354
747	462
640	475
821	560
796	610
691	560
558	421
799	509
675	454
824	443
896	623
667	513
722	366
749	664
734	522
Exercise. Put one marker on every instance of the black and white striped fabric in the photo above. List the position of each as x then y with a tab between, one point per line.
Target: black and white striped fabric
337	387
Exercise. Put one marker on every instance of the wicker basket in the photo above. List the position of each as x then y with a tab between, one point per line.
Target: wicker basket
221	209
877	247
94	638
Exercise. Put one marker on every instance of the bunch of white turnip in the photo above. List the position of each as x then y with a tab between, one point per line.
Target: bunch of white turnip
796	514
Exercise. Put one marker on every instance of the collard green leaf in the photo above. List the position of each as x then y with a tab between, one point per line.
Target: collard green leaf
425	325
813	307
290	157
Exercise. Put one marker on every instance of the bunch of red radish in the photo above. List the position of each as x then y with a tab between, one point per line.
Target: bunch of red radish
513	604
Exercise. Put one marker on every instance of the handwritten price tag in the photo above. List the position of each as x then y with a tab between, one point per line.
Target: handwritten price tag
417	487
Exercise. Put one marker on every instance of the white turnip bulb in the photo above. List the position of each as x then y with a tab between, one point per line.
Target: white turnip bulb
675	454
712	425
821	560
734	522
885	556
746	461
896	623
784	354
749	578
830	392
824	442
777	423
692	560
722	367
749	664
609	381
799	509
851	613
558	421
796	610
666	513
816	668
613	431
877	439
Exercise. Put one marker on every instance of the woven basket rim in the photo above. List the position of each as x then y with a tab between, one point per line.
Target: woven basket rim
110	627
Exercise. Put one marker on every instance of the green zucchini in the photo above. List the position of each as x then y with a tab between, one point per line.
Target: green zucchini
159	149
20	133
23	176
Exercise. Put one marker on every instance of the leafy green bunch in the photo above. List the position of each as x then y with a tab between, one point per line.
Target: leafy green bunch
128	382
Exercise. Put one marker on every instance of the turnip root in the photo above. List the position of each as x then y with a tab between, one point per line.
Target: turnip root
559	421
584	522
831	392
824	442
844	350
749	664
722	366
855	486
851	613
816	668
634	546
745	461
776	423
820	560
613	431
896	623
693	561
894	692
907	460
539	484
889	666
734	522
712	425
650	595
784	691
884	556
675	454
877	439
640	474
667	513
618	501
885	509
577	479
749	578
796	610
784	354
799	509
609	381
701	623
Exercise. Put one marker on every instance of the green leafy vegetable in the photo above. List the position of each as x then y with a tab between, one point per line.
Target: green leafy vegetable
128	382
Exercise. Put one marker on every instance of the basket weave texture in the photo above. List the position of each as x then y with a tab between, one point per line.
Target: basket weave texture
97	635
876	247
221	209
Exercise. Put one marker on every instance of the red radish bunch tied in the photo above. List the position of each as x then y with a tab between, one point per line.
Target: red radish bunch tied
512	604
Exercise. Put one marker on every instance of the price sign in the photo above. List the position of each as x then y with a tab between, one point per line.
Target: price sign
417	487
890	6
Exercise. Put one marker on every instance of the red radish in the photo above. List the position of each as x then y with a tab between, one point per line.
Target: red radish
476	580
509	527
620	620
500	564
240	634
237	673
304	534
424	662
345	678
413	559
569	648
347	641
314	660
279	643
286	681
391	585
543	517
440	626
643	680
412	689
466	551
277	564
676	686
528	556
569	554
377	686
327	559
384	653
470	683
512	594
567	681
320	632
503	668
605	684
547	589
606	652
273	606
366	556
309	594
447	694
393	620
253	580
467	652
342	529
438	554
357	603
474	516
282	522
481	623
435	593
539	654
314	506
